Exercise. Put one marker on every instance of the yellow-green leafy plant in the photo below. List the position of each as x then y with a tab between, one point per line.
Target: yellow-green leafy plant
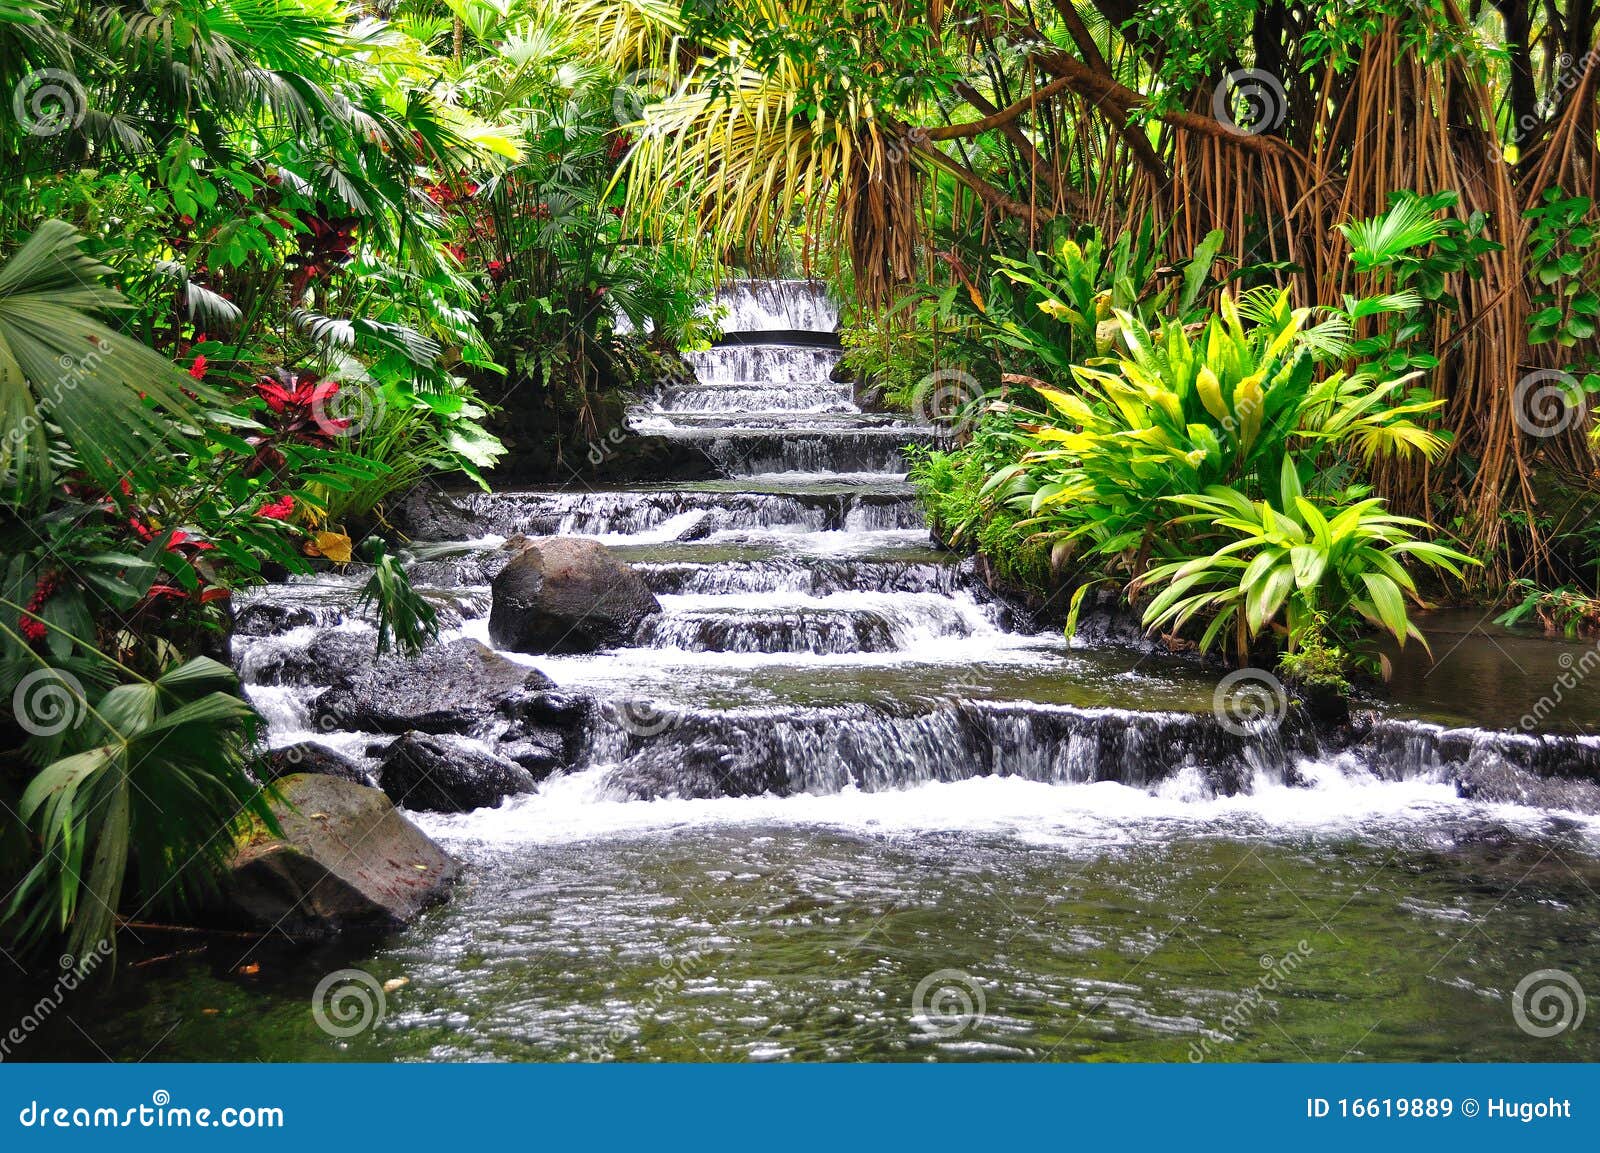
1295	564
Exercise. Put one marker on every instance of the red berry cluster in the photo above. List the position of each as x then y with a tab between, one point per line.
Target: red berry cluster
33	629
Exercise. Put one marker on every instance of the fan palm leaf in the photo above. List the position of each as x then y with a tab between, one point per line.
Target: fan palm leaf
158	778
117	403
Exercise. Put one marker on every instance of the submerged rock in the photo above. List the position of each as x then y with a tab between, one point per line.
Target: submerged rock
312	757
568	594
1500	783
428	514
347	860
333	657
448	688
444	774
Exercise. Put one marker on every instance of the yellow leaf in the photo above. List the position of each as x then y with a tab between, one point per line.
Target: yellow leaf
1210	391
333	545
1248	402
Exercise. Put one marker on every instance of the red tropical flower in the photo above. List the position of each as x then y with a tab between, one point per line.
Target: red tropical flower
278	509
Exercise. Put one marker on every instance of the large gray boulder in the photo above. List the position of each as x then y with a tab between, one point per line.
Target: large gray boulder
347	860
567	595
449	688
443	774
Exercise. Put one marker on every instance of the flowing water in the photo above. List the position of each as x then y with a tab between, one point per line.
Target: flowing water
839	803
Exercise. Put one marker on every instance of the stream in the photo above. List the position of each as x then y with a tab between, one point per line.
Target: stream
839	802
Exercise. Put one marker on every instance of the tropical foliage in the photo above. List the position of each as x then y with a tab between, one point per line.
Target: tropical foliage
1216	463
264	265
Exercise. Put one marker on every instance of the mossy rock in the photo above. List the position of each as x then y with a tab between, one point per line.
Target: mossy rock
347	860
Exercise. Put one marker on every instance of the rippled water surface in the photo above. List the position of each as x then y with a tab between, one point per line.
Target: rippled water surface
1088	922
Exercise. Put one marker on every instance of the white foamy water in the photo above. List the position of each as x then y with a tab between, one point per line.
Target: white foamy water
577	808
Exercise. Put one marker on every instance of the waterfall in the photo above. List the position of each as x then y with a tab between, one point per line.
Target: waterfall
812	639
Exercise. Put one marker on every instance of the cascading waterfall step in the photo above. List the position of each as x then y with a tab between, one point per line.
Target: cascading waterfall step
838	623
770	364
754	451
742	396
820	577
767	306
628	513
775	421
